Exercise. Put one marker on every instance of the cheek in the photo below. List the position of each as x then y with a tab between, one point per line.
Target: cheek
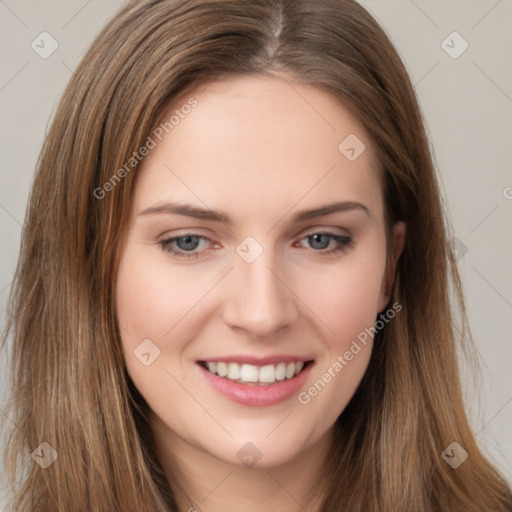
152	296
154	302
345	297
345	300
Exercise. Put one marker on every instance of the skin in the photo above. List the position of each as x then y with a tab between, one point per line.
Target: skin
261	149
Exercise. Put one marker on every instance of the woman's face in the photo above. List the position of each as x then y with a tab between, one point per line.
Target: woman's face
278	279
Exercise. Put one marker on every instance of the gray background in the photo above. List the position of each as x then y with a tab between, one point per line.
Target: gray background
467	106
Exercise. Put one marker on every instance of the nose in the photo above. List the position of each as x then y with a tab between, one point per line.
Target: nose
261	301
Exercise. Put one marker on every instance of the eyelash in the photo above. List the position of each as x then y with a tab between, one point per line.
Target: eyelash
343	243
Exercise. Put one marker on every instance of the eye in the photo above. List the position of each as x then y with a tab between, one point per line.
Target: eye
321	240
185	245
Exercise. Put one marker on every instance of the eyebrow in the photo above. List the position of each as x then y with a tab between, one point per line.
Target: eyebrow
221	216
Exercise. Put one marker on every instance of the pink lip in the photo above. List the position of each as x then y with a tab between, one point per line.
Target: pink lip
254	394
259	361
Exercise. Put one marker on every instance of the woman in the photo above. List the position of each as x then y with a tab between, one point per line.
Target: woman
236	261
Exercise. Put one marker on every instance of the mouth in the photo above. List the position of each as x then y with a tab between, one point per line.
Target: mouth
255	375
256	382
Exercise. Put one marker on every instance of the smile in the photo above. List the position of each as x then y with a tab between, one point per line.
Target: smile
249	373
266	383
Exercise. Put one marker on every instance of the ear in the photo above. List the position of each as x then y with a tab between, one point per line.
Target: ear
398	242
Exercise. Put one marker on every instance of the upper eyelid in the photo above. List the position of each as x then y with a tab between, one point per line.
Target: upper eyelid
304	235
308	233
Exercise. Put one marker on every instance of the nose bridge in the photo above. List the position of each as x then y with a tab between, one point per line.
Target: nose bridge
259	301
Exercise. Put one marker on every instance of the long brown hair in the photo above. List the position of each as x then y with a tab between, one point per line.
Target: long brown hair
69	385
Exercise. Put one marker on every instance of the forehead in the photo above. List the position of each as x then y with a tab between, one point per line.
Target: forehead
254	143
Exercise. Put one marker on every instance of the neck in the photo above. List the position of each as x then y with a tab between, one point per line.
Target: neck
213	485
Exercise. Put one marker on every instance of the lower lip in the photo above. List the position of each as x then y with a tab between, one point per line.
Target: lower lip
256	395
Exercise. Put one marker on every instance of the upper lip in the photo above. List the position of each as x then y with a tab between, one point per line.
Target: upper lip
258	361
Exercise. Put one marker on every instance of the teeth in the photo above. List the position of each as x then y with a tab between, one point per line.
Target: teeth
267	373
280	372
250	373
233	371
222	369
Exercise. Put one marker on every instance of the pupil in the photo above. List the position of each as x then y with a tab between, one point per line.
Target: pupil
188	240
316	239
